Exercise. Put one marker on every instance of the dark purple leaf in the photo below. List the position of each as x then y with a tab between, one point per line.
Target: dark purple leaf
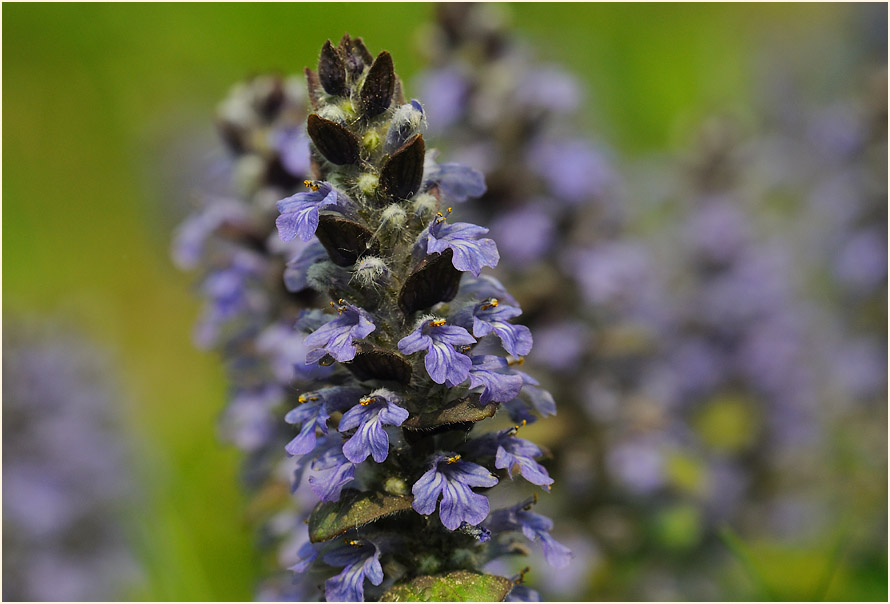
434	280
344	240
337	144
376	363
332	70
403	172
376	93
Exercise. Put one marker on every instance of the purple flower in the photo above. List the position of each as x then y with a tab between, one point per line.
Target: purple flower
610	273
191	236
285	351
539	399
307	555
445	91
313	412
250	420
510	452
330	471
470	252
453	478
491	316
484	287
519	452
718	230
230	296
299	213
488	371
373	411
293	149
336	337
360	560
548	88
561	346
535	527
525	234
862	262
456	182
575	170
296	270
639	465
438	339
523	593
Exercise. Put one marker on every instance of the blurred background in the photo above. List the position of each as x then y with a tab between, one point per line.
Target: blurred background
108	113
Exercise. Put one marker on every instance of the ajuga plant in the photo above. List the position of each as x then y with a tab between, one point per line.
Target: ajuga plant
420	348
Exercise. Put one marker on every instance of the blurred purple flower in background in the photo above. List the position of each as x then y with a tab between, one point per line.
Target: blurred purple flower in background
67	474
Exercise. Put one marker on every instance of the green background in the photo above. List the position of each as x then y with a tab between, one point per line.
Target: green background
103	105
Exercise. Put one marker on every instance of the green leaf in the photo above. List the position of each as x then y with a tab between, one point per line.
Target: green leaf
467	409
459	586
355	508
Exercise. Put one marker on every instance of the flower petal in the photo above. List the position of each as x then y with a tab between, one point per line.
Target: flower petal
461	504
426	491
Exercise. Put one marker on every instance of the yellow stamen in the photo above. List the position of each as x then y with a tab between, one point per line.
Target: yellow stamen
351	542
311	184
492	303
452	460
519	361
364	402
437	322
440	217
302	398
522	574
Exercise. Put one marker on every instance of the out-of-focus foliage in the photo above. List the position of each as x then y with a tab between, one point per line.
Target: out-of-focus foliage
106	108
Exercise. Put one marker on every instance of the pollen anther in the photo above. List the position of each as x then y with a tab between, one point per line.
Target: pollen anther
452	460
437	322
311	184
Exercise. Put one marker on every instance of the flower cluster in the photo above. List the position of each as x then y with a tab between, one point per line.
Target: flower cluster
67	486
417	348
